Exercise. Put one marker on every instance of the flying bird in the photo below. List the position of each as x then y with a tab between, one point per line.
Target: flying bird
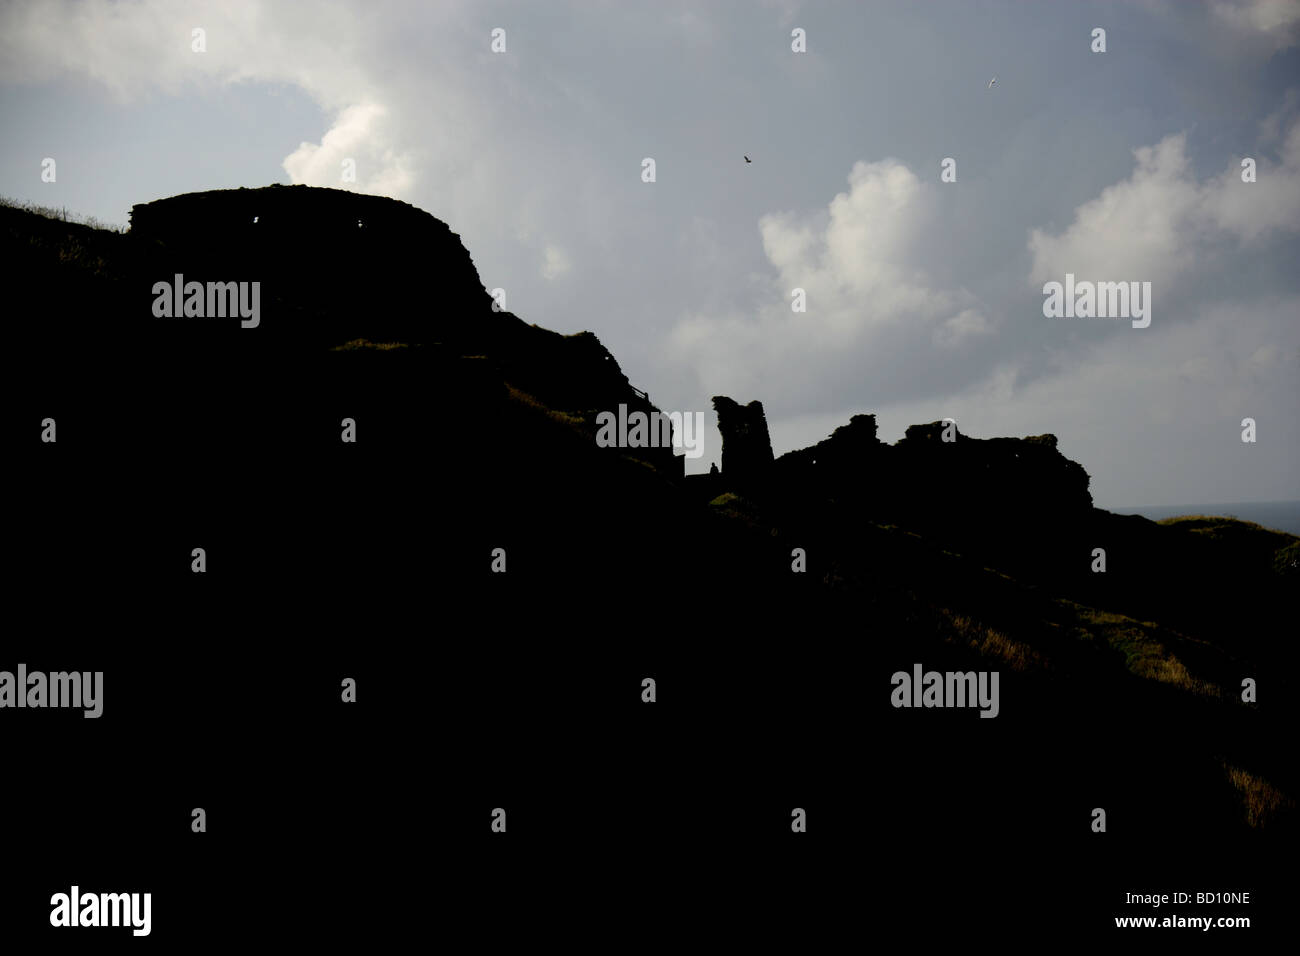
991	82
748	160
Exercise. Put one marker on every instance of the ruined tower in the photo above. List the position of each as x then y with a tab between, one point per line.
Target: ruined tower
746	445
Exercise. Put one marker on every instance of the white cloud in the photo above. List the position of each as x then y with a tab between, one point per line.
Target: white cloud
1276	20
861	266
1160	223
1137	229
555	262
354	136
1250	211
137	49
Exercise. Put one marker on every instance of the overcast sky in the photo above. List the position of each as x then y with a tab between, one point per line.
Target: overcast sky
924	298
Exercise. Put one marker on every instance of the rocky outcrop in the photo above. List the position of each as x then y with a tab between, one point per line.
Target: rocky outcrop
935	465
850	451
1006	476
351	288
1008	499
334	265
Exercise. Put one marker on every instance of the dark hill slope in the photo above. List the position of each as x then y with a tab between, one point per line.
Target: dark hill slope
475	431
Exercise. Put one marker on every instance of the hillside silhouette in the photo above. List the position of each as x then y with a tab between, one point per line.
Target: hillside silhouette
1120	689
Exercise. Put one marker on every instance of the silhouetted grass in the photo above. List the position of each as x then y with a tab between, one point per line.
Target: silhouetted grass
365	344
61	215
1232	531
1261	801
991	643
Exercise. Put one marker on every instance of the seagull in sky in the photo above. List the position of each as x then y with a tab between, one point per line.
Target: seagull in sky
748	160
991	82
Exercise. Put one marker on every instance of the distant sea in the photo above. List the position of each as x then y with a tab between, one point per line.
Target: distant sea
1279	515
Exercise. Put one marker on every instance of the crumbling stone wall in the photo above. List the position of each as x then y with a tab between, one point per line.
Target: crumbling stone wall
746	445
921	479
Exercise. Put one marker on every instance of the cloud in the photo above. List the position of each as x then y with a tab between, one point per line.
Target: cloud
1277	21
138	48
1133	230
870	303
965	325
141	49
1160	223
556	262
1251	211
355	135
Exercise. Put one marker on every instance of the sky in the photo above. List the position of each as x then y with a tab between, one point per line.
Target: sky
924	299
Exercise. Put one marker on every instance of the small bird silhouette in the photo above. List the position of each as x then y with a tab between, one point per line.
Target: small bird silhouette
748	160
991	82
